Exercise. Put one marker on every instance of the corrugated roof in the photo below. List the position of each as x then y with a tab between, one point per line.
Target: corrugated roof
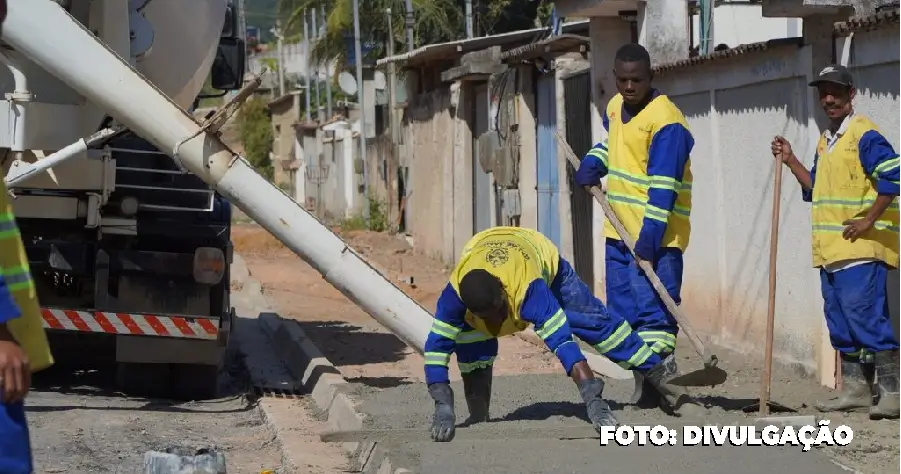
729	53
556	44
459	47
870	22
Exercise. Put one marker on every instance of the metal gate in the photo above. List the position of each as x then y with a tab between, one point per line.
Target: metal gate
548	188
482	185
577	100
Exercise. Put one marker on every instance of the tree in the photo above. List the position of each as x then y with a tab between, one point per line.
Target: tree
437	21
255	130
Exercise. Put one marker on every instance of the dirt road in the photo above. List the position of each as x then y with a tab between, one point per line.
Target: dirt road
366	353
80	424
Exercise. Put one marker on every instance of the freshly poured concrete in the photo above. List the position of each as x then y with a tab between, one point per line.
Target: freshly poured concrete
552	401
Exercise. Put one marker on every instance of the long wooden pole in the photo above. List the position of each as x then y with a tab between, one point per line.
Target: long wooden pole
771	304
710	360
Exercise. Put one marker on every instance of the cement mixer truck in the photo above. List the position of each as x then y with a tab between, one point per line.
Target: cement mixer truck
129	252
123	197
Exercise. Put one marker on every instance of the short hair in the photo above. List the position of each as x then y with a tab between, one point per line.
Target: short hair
480	290
632	53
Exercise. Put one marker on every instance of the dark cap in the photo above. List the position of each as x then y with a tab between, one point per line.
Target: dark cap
835	74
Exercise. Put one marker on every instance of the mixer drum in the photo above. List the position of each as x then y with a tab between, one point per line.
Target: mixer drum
186	35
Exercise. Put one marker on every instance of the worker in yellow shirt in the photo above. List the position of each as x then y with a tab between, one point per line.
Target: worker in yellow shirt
646	159
853	186
506	279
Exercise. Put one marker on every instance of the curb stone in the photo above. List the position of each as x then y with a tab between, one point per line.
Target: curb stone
328	389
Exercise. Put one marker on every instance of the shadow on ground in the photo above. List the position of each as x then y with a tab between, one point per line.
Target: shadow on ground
97	377
345	344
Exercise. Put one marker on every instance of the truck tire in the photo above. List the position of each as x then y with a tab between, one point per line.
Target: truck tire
194	381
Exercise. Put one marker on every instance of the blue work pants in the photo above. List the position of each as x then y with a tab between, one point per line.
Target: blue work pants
15	445
857	312
631	296
588	319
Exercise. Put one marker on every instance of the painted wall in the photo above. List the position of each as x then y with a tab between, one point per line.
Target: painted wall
734	107
742	23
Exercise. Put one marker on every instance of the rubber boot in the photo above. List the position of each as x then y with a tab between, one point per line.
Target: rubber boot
477	389
887	386
857	388
675	397
645	396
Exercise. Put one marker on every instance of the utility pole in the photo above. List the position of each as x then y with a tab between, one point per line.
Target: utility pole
358	58
279	50
306	65
408	22
468	18
242	28
316	66
393	162
328	72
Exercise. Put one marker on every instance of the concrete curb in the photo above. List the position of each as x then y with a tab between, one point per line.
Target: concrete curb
329	390
313	374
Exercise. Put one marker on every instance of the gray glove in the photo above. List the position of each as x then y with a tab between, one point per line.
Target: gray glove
444	419
598	410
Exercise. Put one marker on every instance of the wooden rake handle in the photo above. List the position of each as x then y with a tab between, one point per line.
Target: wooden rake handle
710	360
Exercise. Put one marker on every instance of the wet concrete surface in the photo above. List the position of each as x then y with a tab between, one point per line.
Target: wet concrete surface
553	401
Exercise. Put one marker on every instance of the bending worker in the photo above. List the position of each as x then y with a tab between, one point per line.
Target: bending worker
853	185
506	279
646	161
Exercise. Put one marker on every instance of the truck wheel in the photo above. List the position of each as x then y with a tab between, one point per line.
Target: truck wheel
194	381
143	380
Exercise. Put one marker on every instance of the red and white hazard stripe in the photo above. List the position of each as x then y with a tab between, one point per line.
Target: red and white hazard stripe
127	323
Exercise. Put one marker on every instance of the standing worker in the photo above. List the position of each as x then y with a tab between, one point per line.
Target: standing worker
506	279
646	161
23	343
853	186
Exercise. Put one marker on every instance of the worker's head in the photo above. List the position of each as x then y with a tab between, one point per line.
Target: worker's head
836	89
483	295
632	70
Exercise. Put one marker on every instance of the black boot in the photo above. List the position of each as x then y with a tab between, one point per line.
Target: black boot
857	387
477	389
645	396
675	397
887	386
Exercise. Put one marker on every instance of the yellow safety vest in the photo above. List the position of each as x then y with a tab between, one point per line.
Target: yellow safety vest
841	191
627	176
517	257
28	328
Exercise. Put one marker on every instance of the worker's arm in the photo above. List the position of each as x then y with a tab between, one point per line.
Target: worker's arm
669	153
541	308
441	342
594	165
15	374
880	162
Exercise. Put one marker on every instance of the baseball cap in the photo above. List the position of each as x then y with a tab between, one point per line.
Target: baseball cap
834	73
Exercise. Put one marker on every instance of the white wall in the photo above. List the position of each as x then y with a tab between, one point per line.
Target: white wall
742	23
734	107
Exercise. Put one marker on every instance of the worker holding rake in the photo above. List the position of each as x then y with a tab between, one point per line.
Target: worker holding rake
646	161
506	279
853	186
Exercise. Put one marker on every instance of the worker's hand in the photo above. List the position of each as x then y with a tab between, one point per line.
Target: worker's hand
444	418
598	410
782	149
15	373
856	228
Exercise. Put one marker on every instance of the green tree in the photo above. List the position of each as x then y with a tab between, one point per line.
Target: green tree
436	21
255	130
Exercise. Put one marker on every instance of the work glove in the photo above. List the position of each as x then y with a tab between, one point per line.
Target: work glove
598	410
444	419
